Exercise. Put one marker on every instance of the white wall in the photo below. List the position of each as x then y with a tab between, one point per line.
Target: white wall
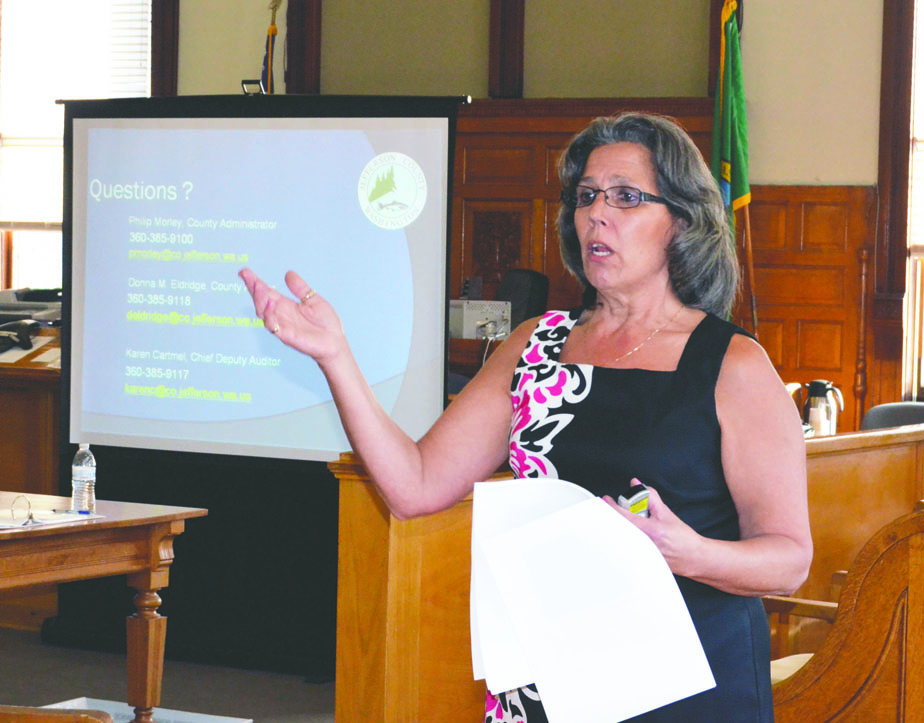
811	68
630	48
222	42
811	72
405	47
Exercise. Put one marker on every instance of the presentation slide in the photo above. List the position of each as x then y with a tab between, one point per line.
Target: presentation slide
167	352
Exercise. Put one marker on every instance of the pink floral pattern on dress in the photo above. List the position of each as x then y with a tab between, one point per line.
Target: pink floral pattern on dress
539	388
508	707
541	385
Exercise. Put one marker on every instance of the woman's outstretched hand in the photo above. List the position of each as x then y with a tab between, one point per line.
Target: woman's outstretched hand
306	323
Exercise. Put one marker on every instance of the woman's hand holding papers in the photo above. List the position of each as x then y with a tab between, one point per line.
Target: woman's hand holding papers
676	541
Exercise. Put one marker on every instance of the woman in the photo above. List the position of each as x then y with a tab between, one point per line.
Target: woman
645	381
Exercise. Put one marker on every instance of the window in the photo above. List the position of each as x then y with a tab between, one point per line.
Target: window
914	285
56	49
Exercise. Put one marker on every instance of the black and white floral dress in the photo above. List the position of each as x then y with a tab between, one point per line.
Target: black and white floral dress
599	427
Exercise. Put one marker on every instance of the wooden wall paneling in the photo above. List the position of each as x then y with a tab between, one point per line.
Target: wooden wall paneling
540	231
500	239
772	338
803	286
510	120
506	162
458	258
806	238
21	415
494	186
495	182
885	362
820	345
564	288
768	222
498	163
807	270
28	445
28	434
499	192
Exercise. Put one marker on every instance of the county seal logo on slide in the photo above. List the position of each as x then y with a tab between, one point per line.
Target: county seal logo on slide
392	190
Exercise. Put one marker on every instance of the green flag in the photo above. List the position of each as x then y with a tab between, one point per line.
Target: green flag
730	127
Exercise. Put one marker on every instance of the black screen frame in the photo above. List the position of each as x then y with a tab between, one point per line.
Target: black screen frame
243	106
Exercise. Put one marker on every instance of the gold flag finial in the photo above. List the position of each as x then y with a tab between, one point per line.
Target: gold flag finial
274	6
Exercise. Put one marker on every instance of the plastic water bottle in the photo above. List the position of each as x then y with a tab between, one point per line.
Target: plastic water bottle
83	480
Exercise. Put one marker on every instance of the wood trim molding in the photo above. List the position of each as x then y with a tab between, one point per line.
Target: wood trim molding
715	40
505	50
582	107
165	36
6	260
859	379
894	149
303	47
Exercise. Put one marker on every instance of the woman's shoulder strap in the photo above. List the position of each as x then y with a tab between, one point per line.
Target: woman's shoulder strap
709	342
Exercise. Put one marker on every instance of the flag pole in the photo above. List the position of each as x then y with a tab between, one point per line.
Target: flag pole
266	78
729	161
749	262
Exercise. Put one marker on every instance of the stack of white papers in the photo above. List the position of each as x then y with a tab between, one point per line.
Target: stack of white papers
570	596
19	518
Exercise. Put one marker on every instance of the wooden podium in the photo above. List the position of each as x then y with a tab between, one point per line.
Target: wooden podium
403	644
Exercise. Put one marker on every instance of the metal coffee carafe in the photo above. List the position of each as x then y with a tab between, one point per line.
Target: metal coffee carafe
820	410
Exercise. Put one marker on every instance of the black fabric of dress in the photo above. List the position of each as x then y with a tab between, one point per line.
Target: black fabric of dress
662	427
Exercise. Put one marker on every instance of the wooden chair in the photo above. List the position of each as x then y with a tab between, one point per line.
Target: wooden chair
871	665
22	714
781	609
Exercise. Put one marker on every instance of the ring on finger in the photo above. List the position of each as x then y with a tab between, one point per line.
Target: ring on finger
307	297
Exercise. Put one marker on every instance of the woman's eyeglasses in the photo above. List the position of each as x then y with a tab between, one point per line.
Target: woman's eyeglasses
616	197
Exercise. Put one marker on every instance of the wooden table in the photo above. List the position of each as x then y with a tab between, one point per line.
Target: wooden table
131	539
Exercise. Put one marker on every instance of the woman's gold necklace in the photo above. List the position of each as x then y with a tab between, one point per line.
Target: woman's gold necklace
648	338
